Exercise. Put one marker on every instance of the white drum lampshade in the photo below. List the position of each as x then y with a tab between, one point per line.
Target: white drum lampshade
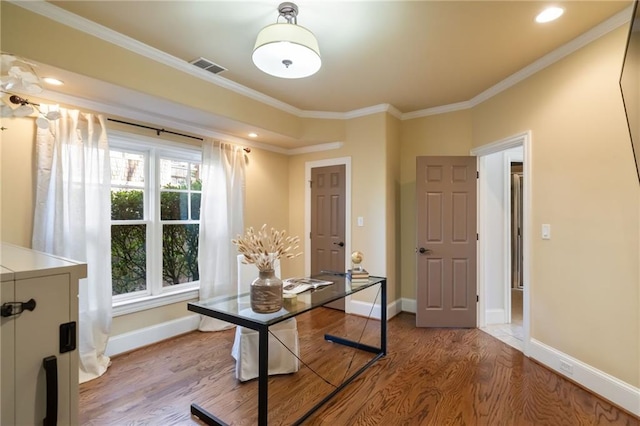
287	50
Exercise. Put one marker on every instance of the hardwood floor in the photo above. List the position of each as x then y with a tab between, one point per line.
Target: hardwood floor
429	377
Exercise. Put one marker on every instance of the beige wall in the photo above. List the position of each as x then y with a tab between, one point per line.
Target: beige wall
267	193
393	207
584	281
444	134
365	143
95	58
17	179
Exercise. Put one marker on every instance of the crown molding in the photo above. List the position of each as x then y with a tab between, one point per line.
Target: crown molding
375	109
79	23
50	11
577	43
157	119
316	148
574	45
437	110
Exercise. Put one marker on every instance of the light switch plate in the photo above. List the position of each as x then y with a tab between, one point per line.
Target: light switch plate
546	231
360	221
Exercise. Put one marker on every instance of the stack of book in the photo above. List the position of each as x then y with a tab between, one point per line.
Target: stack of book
358	276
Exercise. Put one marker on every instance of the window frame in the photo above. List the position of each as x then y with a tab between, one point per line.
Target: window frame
156	294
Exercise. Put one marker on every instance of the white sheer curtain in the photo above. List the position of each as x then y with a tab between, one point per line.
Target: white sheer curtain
72	219
221	219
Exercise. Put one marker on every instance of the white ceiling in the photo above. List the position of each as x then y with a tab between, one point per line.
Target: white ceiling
413	55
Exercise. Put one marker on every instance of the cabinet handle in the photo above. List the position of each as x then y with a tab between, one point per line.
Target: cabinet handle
67	337
14	308
50	365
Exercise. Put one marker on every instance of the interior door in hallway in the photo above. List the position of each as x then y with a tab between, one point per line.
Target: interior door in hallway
328	193
446	238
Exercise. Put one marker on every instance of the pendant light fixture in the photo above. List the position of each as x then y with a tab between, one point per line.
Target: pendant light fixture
287	50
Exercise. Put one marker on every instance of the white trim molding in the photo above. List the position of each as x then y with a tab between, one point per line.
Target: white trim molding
495	316
316	148
409	305
139	338
608	387
579	42
81	24
149	302
364	309
394	308
524	140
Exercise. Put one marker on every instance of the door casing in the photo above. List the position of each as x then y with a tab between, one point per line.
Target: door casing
524	140
346	161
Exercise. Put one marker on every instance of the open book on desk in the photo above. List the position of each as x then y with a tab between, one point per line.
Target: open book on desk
298	285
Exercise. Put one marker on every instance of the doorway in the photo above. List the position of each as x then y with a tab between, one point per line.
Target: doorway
503	253
337	255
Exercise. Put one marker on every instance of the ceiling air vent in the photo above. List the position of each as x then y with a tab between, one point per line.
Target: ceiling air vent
207	65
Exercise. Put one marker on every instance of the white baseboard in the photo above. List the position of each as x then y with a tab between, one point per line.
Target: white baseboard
364	309
394	308
136	339
495	316
602	384
409	305
615	390
126	342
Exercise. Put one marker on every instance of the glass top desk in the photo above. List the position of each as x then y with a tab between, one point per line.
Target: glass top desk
236	310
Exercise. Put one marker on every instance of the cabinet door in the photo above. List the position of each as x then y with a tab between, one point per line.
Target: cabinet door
38	336
7	358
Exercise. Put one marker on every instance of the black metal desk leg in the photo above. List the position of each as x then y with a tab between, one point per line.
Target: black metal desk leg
383	317
263	375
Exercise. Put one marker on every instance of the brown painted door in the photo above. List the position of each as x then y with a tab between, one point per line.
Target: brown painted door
446	251
328	221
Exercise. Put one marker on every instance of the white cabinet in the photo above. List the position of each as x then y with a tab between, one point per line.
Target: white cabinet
28	392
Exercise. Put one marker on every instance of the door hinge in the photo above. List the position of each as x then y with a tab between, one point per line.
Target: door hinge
477	174
477	237
310	235
310	184
477	298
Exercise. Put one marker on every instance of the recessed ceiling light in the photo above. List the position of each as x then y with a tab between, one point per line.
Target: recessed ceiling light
549	14
53	81
253	135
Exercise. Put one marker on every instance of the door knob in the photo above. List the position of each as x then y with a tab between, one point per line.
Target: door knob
423	250
341	244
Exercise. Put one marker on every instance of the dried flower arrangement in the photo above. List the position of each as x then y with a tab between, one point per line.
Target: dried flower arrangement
264	248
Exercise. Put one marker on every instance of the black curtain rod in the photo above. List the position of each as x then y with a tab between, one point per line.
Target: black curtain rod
159	131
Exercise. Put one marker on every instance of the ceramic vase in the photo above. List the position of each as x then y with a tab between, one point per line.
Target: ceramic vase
266	293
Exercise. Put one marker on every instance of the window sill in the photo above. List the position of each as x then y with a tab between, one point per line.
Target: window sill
149	302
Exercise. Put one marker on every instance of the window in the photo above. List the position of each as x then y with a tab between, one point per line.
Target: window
128	223
180	187
155	220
